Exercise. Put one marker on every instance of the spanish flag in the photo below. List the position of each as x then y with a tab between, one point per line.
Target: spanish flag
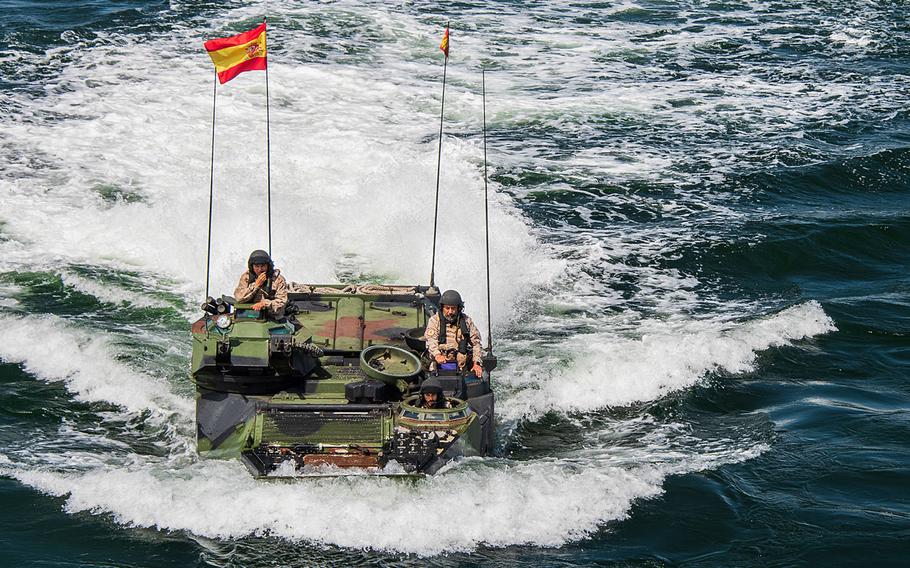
236	54
444	46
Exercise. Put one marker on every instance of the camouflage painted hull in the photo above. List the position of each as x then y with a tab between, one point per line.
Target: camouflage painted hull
307	399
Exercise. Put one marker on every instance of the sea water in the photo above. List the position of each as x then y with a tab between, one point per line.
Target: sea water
699	235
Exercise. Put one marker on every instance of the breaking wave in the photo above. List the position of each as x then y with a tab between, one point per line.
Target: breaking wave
52	350
545	502
496	503
586	219
605	370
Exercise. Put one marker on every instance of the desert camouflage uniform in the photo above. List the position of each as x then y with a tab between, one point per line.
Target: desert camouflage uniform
453	337
248	293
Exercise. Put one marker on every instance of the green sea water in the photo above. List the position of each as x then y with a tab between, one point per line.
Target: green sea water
700	231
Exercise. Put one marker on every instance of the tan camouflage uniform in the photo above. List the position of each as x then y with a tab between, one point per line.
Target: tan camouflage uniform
248	293
453	336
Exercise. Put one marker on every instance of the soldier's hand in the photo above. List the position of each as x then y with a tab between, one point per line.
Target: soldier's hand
478	370
260	280
440	358
258	305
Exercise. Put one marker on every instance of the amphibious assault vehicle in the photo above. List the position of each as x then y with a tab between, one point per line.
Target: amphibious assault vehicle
334	386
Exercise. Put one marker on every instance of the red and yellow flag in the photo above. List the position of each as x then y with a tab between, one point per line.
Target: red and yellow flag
444	46
236	54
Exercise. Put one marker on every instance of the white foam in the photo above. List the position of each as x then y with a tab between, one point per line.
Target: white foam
110	293
353	175
8	295
545	504
344	181
85	362
610	370
852	34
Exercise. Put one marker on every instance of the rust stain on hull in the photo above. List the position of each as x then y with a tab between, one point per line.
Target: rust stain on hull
341	460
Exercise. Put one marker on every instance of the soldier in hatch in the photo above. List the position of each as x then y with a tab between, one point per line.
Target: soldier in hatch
263	285
458	333
431	395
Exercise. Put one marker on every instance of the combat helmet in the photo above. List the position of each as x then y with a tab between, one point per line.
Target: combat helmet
260	257
451	298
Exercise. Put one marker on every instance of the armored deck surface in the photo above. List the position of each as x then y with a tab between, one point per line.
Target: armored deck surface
332	386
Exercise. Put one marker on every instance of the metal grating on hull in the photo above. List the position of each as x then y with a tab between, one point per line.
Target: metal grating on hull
290	428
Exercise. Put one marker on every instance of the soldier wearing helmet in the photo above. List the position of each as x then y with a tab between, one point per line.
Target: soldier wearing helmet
431	395
451	329
263	285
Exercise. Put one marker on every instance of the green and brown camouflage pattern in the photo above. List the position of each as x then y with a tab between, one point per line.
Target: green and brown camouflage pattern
266	391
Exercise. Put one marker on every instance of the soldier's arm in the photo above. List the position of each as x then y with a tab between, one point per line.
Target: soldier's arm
280	290
432	335
245	291
476	342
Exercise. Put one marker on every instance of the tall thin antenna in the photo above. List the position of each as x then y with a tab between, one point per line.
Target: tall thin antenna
268	150
486	209
208	254
444	46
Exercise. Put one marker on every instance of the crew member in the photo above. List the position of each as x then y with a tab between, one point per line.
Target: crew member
431	395
459	333
263	286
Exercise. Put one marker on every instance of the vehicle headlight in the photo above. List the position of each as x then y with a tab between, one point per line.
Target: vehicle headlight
223	321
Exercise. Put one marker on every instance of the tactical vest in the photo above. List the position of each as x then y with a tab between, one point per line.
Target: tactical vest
465	333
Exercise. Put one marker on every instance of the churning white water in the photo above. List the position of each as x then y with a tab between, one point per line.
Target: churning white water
109	168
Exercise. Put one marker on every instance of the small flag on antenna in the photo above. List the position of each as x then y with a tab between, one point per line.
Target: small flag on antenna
444	46
236	54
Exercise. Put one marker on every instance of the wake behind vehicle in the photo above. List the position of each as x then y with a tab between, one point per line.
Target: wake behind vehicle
333	383
337	390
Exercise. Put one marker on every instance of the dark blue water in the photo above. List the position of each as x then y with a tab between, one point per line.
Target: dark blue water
701	236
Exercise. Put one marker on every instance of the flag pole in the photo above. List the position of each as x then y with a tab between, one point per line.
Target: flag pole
268	150
489	360
439	158
486	208
208	254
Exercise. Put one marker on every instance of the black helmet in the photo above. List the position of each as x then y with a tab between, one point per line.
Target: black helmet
431	384
259	257
451	298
